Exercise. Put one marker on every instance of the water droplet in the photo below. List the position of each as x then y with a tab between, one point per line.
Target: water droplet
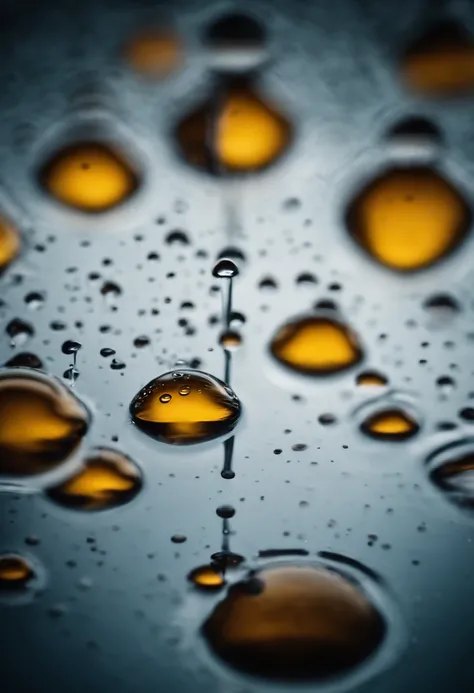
441	62
164	399
409	218
34	300
225	269
268	284
70	347
10	243
41	423
390	424
227	559
106	352
294	623
467	414
155	53
19	331
141	342
178	538
230	340
25	360
210	409
71	374
90	177
446	384
106	480
236	42
15	572
371	379
177	237
117	365
110	289
327	419
442	306
306	278
453	474
225	512
316	345
207	577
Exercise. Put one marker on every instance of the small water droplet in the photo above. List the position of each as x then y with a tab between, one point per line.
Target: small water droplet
19	331
70	347
225	269
178	538
155	52
390	424
34	300
225	511
230	340
207	577
371	379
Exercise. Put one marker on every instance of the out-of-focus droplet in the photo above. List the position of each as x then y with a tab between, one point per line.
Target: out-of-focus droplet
41	423
226	560
371	379
390	424
107	479
230	340
225	268
455	477
414	137
295	623
15	572
210	409
10	243
19	331
89	176
34	300
225	511
441	63
249	134
442	306
155	53
236	42
409	218
207	577
316	345
25	360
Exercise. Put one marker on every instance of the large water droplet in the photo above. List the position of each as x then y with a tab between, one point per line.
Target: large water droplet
89	176
409	218
316	345
295	623
41	423
108	479
19	331
225	269
25	360
15	572
208	411
9	243
393	423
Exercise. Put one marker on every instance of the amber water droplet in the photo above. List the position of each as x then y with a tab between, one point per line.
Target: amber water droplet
155	53
371	379
89	176
390	424
230	340
249	134
210	409
409	218
225	269
15	572
207	577
10	243
107	479
456	478
316	345
295	623
41	423
25	360
441	63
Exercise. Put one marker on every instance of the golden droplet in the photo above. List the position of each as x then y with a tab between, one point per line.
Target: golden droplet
9	243
41	423
456	478
371	379
441	63
391	424
107	480
316	345
409	218
207	577
89	176
15	571
155	53
210	408
294	623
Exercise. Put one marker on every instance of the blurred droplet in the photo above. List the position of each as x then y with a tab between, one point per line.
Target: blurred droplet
207	577
371	379
25	360
155	53
236	42
19	331
15	572
390	424
10	243
230	340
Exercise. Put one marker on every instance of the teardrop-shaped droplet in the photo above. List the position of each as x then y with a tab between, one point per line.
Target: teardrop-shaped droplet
15	572
295	623
371	379
390	424
41	423
316	345
409	218
10	243
107	479
208	411
89	176
207	577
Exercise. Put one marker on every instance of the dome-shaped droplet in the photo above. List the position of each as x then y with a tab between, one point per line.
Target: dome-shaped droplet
295	623
371	379
208	411
236	42
107	479
230	340
89	176
25	360
15	572
9	243
390	424
441	62
455	477
316	345
41	423
409	218
207	577
225	268
155	53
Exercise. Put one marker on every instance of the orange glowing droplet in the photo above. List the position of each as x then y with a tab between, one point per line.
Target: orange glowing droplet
390	424
155	53
9	243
